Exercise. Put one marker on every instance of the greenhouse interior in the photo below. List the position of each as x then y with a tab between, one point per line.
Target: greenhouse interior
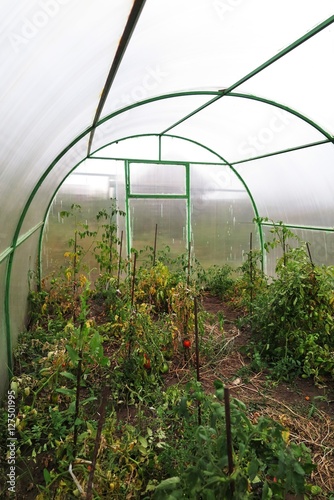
158	152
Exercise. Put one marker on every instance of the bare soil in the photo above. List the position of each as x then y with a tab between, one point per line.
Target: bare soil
307	409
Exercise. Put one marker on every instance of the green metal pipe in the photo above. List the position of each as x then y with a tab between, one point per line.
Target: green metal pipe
297	226
257	70
19	241
282	151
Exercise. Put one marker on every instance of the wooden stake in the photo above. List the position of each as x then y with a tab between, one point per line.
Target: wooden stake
197	358
309	253
189	257
133	280
97	443
155	244
228	430
251	275
119	259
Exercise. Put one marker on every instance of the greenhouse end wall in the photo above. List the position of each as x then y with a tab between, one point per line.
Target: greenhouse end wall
204	204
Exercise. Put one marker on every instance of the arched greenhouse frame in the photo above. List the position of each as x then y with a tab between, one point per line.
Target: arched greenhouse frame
209	124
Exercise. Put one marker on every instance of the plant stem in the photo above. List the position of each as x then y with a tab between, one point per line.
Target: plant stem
102	413
78	390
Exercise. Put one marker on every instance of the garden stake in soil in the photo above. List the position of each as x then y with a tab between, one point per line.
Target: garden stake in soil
251	277
155	244
102	414
228	431
77	395
189	262
309	253
75	258
185	326
133	280
132	302
119	260
197	358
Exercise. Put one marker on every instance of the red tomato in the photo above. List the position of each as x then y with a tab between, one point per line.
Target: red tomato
147	362
186	343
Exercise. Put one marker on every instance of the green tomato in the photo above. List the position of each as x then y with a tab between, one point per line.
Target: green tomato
164	367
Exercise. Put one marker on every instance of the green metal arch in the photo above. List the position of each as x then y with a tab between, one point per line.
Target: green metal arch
224	162
285	108
217	95
221	158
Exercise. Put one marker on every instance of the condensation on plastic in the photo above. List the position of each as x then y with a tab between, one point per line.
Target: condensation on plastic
169	215
92	186
222	216
296	187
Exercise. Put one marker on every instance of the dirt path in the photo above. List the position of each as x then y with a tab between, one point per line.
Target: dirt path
305	408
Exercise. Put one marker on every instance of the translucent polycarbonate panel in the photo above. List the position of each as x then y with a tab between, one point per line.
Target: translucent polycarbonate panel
144	147
22	278
240	128
55	57
296	188
150	147
302	79
176	148
320	246
93	186
49	181
151	118
169	216
157	178
207	43
3	339
221	215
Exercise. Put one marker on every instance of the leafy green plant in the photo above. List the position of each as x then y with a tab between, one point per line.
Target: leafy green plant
107	249
281	235
153	286
266	463
251	281
293	317
219	281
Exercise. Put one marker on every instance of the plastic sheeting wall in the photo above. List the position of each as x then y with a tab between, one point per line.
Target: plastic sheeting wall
221	212
3	337
56	58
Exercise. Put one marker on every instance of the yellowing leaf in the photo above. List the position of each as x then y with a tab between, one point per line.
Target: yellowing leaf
285	436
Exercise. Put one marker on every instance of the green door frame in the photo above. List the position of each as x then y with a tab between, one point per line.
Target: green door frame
129	196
